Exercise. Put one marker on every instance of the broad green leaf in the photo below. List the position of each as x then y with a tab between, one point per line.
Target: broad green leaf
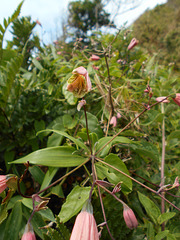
47	213
174	134
165	217
37	64
75	140
74	203
70	122
150	231
13	224
152	116
146	150
171	237
150	207
104	140
57	190
53	157
37	174
48	177
93	124
3	213
112	175
161	235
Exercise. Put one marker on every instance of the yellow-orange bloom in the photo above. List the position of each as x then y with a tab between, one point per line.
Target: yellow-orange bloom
79	83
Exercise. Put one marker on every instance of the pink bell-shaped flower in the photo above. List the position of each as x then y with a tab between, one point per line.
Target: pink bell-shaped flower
177	99
113	121
159	99
129	217
28	233
79	83
3	183
85	227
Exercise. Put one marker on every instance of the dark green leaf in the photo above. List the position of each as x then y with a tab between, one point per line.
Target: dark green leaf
53	157
74	203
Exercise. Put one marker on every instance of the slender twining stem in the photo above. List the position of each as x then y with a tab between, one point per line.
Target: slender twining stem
110	84
150	189
56	182
102	205
85	114
162	165
94	177
133	120
103	212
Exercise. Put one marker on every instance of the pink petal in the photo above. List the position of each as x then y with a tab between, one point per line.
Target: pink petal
159	99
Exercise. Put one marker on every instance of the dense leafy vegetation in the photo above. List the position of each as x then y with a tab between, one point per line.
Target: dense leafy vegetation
119	138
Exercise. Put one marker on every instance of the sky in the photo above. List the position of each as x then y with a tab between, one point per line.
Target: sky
51	13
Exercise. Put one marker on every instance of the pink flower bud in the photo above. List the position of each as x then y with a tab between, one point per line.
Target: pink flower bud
129	217
85	227
28	233
113	121
81	104
94	58
59	53
119	115
3	182
159	99
177	99
133	43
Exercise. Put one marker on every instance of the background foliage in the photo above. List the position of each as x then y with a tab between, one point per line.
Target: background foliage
38	117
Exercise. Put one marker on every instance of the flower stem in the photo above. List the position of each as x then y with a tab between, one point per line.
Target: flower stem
85	114
162	165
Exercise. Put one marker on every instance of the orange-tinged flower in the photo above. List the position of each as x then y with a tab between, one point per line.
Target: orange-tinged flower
3	183
28	233
177	99
79	83
85	227
129	217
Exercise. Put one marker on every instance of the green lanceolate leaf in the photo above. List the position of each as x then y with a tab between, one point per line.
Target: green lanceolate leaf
53	157
104	140
150	207
75	140
74	202
13	224
113	175
165	217
161	235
